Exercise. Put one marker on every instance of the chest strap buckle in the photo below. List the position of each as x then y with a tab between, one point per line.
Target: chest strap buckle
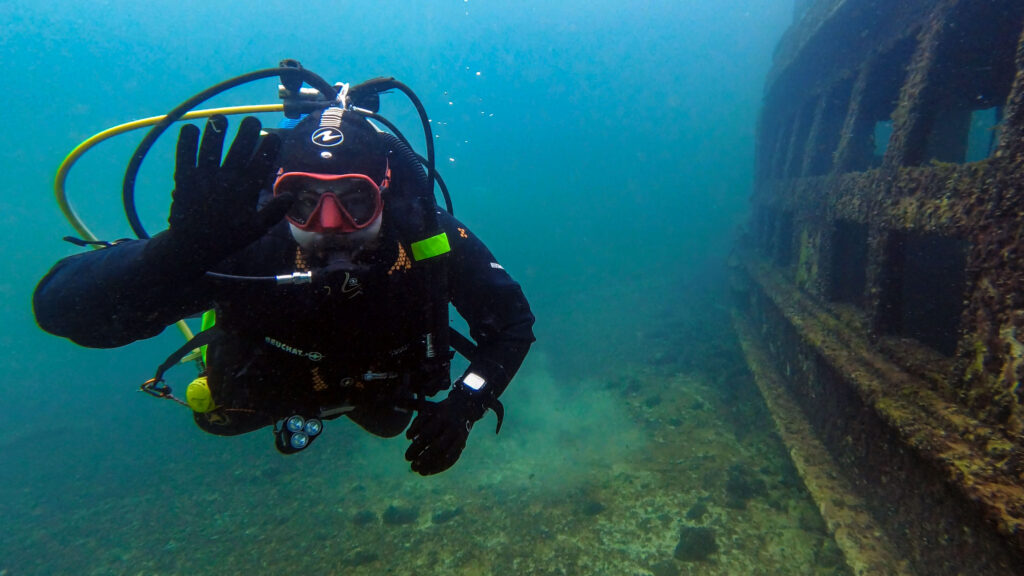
371	376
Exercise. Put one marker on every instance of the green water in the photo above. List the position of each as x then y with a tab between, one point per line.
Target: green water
603	151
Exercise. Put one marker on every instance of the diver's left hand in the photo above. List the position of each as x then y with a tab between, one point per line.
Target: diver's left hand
439	433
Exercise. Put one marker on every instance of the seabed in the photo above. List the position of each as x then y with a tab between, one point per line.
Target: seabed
658	469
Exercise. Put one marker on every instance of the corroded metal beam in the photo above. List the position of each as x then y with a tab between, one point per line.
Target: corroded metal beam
885	262
855	531
821	359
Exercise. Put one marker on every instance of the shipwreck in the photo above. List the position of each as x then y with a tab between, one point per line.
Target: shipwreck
880	279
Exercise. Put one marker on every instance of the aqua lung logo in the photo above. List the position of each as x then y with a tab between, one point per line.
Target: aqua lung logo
314	356
329	133
327	137
351	286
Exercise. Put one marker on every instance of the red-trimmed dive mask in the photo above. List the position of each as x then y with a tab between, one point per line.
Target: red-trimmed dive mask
332	202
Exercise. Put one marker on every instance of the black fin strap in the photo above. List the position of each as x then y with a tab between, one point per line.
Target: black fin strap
499	411
202	339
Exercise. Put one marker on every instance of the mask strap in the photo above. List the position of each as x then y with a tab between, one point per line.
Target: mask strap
386	182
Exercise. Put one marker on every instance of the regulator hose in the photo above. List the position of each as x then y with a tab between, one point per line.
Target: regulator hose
289	74
418	159
384	84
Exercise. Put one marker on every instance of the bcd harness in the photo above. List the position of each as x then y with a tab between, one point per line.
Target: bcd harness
428	351
433	350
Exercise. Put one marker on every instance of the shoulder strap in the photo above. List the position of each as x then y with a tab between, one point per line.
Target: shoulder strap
202	339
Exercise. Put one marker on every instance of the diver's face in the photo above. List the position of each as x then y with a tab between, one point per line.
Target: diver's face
330	242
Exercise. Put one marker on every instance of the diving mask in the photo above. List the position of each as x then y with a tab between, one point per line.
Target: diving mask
332	202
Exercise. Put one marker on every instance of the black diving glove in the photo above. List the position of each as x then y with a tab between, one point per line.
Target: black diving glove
213	213
439	432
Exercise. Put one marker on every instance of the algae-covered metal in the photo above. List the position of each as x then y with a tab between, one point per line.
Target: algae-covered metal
882	273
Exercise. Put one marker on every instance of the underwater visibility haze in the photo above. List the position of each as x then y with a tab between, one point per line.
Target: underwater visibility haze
604	151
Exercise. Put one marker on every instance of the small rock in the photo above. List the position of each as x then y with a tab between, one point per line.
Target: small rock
697	512
360	558
696	543
396	515
364	517
666	568
742	485
592	508
445	515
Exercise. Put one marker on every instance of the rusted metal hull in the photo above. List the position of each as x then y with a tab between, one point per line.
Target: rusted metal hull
881	277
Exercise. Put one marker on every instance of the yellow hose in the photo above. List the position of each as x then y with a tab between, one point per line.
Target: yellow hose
71	158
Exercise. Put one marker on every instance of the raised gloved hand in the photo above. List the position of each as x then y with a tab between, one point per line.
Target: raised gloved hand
213	213
439	432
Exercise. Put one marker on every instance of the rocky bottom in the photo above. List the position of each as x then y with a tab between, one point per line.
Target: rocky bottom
656	472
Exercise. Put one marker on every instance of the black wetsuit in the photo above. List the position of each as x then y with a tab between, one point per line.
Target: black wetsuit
352	340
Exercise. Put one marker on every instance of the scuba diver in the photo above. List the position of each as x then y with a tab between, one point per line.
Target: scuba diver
329	269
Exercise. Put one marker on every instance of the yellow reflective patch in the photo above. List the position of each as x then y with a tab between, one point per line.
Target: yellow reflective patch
430	247
209	319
